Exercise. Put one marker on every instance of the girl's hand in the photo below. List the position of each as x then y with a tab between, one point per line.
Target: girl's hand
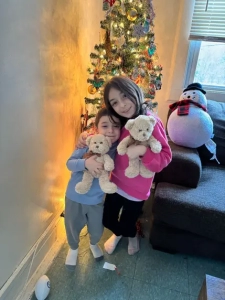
93	166
82	140
135	151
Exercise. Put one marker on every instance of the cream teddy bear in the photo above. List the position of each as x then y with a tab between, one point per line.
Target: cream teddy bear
140	130
98	145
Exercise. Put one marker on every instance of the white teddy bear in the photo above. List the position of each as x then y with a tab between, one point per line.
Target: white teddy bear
98	145
140	130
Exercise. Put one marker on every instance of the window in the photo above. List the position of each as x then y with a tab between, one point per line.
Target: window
206	58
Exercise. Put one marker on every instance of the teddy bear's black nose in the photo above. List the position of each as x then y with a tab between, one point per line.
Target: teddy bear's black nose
188	97
144	134
97	146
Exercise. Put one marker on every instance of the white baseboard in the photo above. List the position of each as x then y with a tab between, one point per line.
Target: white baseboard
21	284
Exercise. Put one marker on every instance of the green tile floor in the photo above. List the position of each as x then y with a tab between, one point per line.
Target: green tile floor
150	274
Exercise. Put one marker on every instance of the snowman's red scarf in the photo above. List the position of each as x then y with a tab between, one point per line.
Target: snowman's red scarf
184	105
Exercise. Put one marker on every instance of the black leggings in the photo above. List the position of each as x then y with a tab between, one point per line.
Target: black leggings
126	224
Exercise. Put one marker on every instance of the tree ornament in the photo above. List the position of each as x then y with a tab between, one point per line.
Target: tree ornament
142	72
146	25
135	74
107	4
117	3
138	31
108	46
92	90
138	80
98	82
151	87
120	41
114	71
122	8
152	77
151	49
143	64
132	14
152	93
142	47
114	49
149	63
158	83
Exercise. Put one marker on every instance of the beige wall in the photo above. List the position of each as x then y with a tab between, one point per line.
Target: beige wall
172	27
44	54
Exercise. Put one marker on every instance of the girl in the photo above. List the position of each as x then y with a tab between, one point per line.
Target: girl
124	100
87	208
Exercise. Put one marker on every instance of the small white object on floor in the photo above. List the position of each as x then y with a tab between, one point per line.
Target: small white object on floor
109	266
42	288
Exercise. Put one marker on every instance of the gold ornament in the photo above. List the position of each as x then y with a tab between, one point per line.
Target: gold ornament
108	45
117	3
92	90
132	14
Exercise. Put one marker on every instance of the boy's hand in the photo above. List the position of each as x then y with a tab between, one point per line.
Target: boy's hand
82	140
135	151
93	166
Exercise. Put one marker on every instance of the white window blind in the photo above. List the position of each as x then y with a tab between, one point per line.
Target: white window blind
208	22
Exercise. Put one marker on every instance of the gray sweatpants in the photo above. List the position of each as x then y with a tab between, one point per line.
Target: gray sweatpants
78	215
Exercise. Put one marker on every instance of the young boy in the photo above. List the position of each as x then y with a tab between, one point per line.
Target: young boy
87	209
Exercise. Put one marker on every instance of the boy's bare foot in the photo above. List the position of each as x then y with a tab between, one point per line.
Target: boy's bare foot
111	243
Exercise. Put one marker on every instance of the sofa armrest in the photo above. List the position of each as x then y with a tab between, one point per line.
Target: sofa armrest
185	168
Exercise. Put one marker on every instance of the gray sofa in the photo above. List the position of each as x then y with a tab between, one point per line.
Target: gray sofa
188	212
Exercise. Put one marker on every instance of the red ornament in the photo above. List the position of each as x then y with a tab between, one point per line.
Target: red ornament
152	93
108	3
152	86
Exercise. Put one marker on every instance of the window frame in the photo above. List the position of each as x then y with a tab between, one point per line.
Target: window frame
213	92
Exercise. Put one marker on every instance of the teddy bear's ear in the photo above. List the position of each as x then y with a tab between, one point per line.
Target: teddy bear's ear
152	120
88	140
129	124
108	141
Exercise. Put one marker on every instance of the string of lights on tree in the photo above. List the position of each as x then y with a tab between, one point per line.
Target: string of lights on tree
128	49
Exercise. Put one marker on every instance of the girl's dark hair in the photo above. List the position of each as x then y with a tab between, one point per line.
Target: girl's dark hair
131	90
104	112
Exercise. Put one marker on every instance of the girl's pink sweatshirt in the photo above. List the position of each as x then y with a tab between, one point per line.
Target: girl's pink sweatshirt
139	187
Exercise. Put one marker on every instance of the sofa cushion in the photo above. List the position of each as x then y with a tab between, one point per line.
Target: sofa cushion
217	112
166	238
200	211
185	168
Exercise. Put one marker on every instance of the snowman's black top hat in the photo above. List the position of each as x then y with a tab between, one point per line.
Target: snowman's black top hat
195	86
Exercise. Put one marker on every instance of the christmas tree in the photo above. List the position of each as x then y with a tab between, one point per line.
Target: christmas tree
128	49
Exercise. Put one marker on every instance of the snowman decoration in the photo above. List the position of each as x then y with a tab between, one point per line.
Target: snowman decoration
189	124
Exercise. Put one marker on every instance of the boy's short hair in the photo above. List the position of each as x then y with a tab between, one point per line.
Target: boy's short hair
104	112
